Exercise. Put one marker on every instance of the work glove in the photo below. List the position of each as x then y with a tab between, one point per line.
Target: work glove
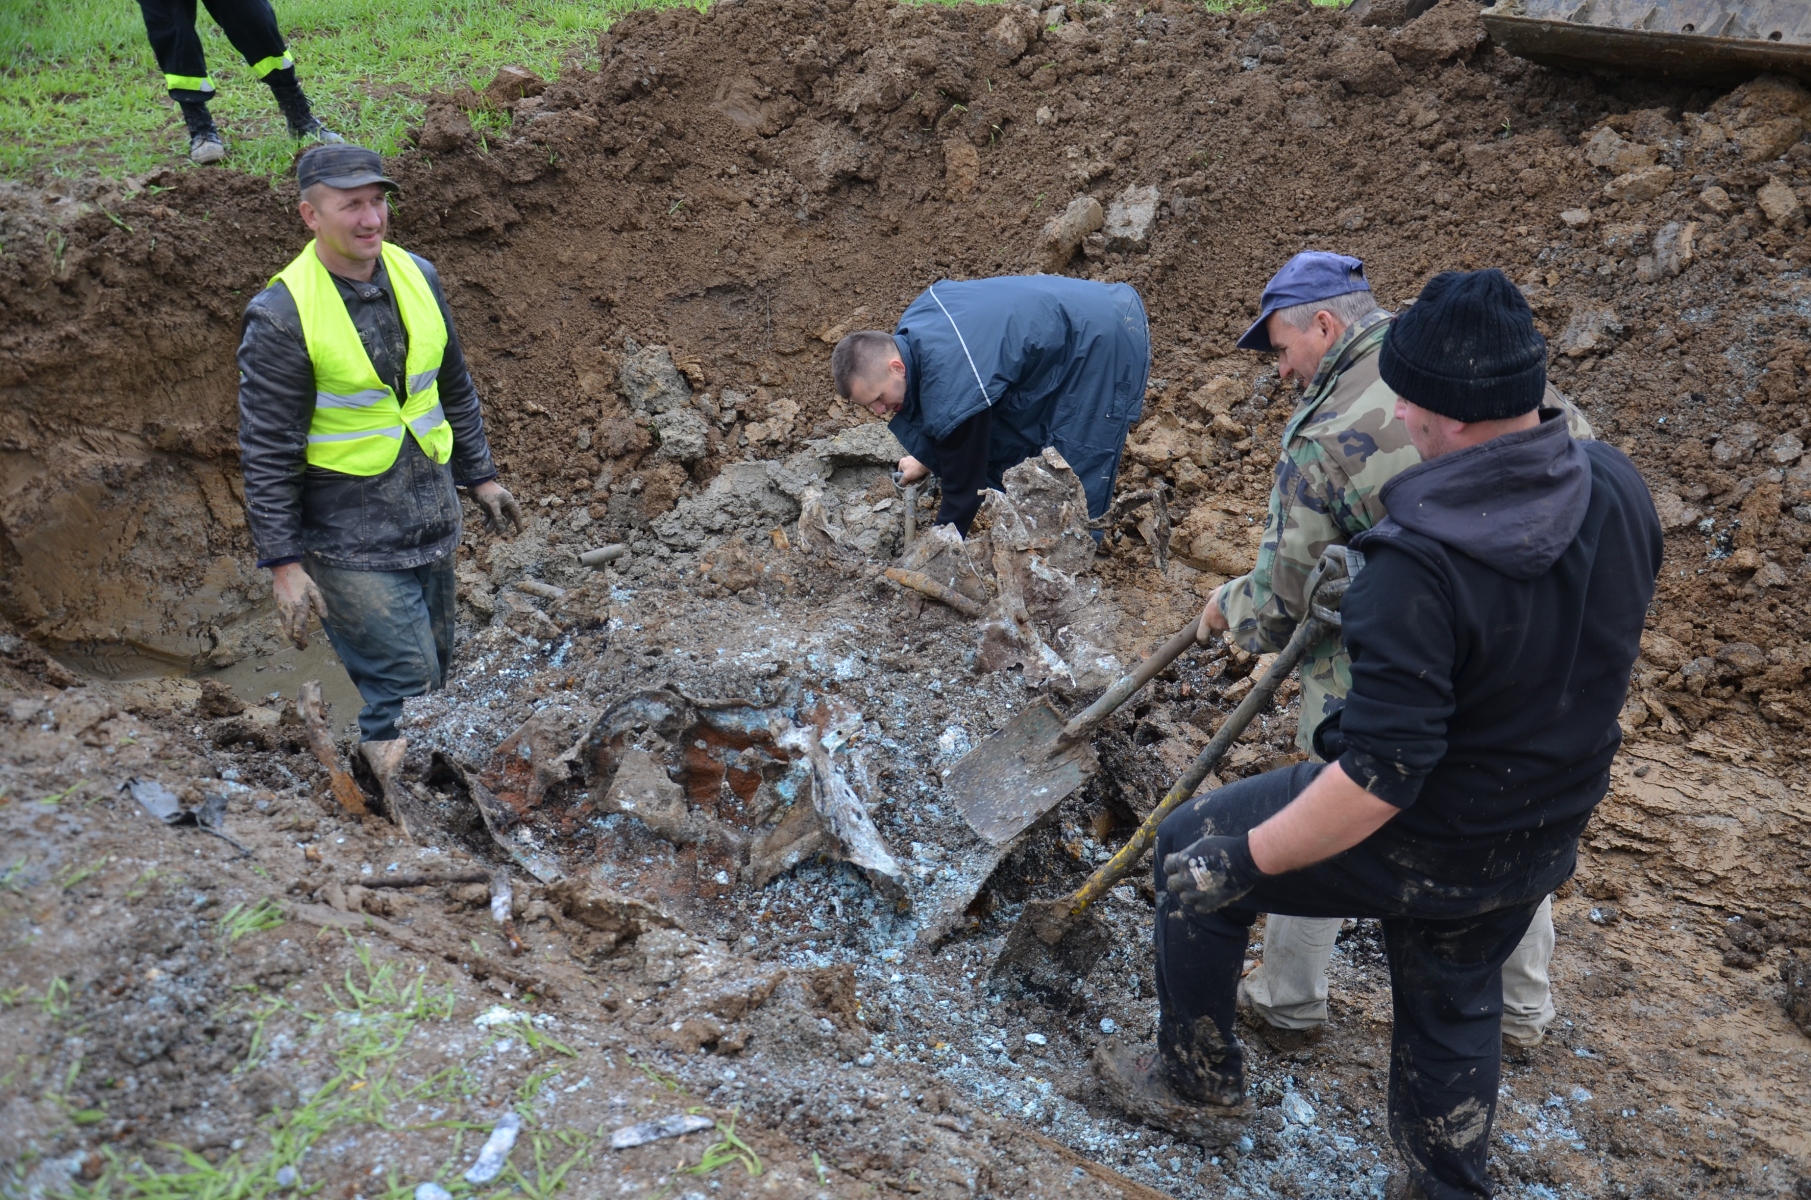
297	595
1211	873
496	502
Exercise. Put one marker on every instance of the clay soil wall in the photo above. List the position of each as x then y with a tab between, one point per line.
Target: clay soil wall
744	184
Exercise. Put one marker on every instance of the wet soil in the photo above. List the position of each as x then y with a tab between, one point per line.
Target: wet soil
648	274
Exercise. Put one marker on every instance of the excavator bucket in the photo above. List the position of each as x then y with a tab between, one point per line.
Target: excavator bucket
1702	41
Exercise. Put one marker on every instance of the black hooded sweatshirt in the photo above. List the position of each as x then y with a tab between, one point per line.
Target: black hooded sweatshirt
1492	628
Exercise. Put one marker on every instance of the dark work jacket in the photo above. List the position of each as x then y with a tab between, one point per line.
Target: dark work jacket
1492	628
403	518
998	369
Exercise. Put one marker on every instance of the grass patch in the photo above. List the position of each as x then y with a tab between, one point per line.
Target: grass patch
371	1021
728	1150
73	874
80	92
241	920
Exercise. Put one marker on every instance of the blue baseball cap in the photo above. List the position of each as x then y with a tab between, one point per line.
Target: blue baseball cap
1310	276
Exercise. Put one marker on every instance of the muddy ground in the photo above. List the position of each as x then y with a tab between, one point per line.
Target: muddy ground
648	274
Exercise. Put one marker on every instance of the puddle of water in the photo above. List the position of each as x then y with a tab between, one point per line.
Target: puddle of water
252	679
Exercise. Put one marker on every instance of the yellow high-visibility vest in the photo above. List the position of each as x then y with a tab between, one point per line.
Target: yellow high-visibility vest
358	422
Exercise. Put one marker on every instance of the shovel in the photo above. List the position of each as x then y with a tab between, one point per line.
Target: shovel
1056	941
1019	773
1024	769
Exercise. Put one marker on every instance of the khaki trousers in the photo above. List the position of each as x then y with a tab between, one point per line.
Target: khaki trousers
1289	987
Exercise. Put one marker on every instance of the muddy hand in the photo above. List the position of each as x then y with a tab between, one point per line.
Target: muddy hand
297	595
1211	873
1213	621
498	504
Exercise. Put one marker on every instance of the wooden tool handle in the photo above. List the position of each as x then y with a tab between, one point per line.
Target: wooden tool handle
1121	864
1083	723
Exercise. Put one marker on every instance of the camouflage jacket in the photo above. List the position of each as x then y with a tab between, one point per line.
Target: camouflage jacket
1341	445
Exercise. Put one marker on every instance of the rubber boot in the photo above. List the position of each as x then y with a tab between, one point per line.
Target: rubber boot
205	143
385	761
303	124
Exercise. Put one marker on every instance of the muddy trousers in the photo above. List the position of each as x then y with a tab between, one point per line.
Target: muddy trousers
1446	952
394	632
250	25
1289	987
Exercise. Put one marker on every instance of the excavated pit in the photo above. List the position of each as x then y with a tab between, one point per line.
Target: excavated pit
648	274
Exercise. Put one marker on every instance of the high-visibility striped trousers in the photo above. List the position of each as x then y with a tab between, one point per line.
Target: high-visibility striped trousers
250	25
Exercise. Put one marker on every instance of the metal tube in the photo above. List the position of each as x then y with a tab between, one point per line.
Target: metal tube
603	554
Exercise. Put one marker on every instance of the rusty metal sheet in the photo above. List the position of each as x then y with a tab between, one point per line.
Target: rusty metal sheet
1012	778
1708	41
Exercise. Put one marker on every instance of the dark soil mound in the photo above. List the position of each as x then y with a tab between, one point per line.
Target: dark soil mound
742	185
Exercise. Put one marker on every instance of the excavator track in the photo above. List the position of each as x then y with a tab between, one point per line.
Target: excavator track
1706	41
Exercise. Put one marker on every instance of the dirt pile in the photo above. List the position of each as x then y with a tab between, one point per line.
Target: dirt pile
648	274
731	190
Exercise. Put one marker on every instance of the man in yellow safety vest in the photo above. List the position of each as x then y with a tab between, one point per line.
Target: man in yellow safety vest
357	422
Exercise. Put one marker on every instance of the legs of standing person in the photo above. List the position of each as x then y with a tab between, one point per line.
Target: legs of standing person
1288	987
251	26
1199	957
1446	983
170	27
1527	988
393	631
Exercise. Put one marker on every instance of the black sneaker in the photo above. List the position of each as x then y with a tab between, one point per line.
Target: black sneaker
1133	1081
303	125
205	144
313	130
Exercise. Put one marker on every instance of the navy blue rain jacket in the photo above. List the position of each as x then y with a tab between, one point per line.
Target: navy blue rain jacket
1053	361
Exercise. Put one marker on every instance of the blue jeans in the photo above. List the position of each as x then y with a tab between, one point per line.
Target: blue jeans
394	632
1446	939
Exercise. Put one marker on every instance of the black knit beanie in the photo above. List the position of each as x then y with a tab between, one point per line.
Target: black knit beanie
1467	349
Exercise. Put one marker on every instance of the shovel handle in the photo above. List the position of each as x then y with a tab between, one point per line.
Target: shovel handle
1083	723
1122	864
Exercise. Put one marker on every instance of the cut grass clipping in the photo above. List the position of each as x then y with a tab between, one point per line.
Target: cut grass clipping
80	93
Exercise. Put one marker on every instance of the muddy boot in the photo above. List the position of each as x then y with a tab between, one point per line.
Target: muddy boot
1283	1041
1402	1186
1135	1082
205	143
303	124
1519	1045
1522	1037
386	764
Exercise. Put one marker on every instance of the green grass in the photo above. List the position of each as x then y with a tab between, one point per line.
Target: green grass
80	93
241	920
368	1027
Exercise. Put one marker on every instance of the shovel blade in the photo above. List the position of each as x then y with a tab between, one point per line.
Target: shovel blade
1048	949
1017	774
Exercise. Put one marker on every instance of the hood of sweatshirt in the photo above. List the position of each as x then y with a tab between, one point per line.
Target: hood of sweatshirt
1514	503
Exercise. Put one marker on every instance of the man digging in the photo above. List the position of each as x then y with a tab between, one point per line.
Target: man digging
1491	622
981	375
357	421
1341	445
